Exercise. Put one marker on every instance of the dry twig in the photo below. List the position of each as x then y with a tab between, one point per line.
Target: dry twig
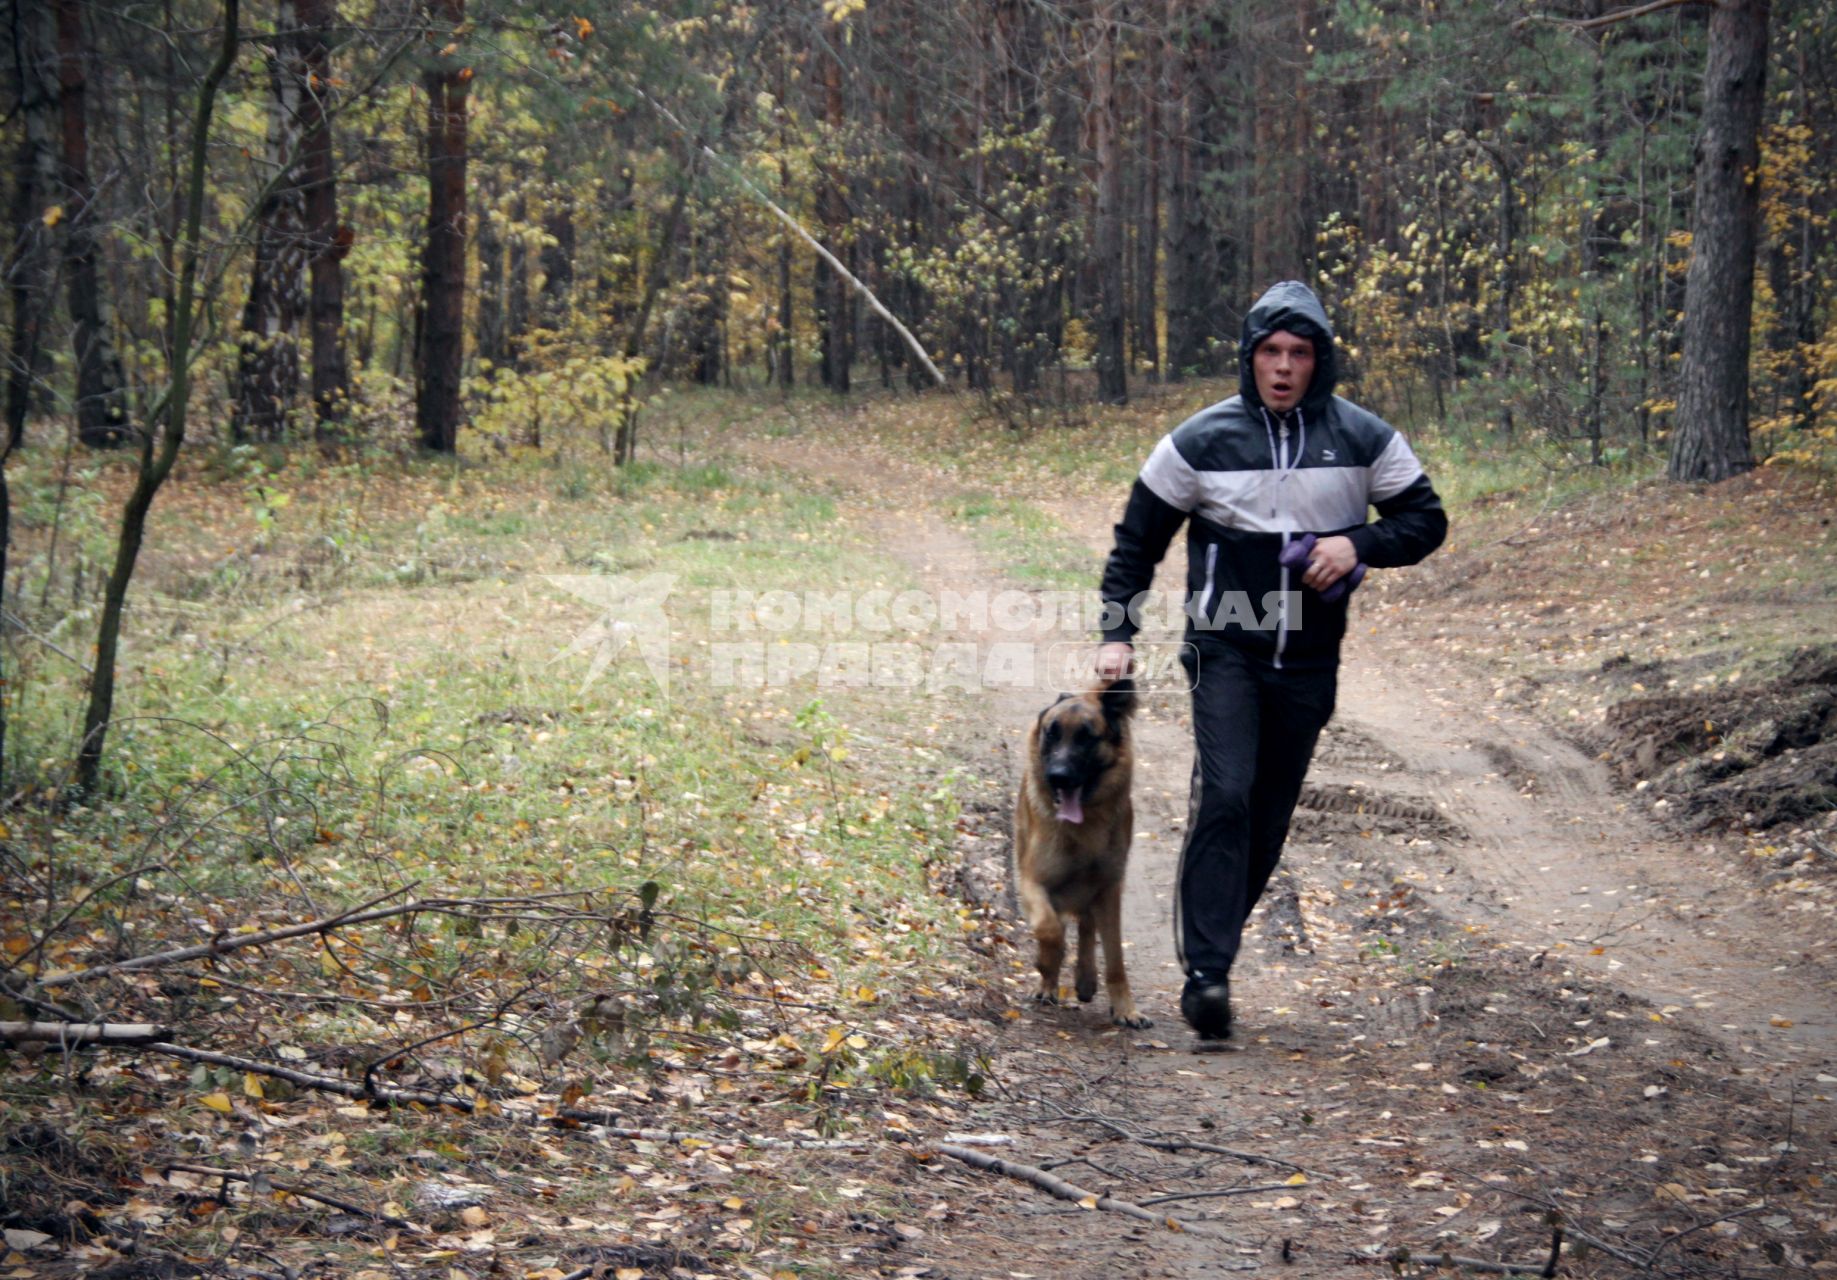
1054	1185
344	1206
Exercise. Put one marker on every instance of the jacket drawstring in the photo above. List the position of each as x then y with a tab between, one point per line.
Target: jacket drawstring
1283	463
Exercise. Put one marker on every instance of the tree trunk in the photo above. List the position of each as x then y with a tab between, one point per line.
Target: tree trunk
1592	235
1710	440
28	262
1194	277
557	260
326	242
784	343
516	287
102	410
835	326
441	339
488	342
268	356
1108	314
156	458
1148	235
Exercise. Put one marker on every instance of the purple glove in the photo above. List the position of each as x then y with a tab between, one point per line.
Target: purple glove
1295	556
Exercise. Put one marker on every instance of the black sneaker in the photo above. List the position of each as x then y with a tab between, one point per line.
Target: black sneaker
1206	1006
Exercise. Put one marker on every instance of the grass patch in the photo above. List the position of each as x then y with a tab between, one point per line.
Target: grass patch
752	875
1028	543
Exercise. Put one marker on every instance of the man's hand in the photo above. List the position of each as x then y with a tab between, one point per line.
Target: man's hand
1332	560
1115	659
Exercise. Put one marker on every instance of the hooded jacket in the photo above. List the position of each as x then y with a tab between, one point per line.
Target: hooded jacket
1247	480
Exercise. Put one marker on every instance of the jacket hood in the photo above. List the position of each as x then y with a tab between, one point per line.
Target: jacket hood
1290	305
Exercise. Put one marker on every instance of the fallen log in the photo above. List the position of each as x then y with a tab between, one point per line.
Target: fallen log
73	1033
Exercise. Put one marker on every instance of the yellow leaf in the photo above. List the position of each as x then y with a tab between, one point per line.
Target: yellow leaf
629	1273
219	1102
834	1040
733	1202
857	1042
54	215
1089	1202
252	1085
1780	1022
475	1216
1299	1180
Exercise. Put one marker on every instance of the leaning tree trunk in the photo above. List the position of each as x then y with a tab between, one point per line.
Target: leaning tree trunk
1710	441
156	459
268	355
102	409
326	243
440	349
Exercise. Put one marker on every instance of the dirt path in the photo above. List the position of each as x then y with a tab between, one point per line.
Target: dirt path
1483	989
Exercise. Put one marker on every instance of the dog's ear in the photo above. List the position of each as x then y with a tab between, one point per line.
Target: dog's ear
1039	721
1118	699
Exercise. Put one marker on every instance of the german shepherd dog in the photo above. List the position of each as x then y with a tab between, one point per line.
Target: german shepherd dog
1072	826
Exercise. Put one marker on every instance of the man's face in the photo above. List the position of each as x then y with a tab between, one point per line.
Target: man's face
1284	365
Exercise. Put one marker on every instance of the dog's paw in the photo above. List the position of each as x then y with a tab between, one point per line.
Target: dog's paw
1087	991
1134	1021
1046	997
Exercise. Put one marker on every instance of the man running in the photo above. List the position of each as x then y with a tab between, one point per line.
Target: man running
1283	459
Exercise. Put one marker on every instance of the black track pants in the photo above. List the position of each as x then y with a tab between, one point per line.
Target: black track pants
1254	727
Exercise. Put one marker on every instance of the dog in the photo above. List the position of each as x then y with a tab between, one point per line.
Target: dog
1073	822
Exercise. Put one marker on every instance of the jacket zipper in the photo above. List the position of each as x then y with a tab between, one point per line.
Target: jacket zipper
1205	597
1282	600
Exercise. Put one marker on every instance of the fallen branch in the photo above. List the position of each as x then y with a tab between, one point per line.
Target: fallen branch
73	1033
1054	1185
1216	1195
308	1080
1635	1259
1547	1268
344	1206
608	1122
221	945
1212	1149
816	246
37	1002
1183	1144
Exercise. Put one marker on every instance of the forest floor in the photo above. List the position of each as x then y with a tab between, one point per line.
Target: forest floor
1491	989
1550	960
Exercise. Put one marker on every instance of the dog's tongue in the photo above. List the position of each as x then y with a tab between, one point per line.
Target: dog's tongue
1071	805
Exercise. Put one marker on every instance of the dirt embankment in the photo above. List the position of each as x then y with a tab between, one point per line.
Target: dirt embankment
1754	755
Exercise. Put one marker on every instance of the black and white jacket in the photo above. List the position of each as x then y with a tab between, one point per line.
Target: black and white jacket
1247	480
